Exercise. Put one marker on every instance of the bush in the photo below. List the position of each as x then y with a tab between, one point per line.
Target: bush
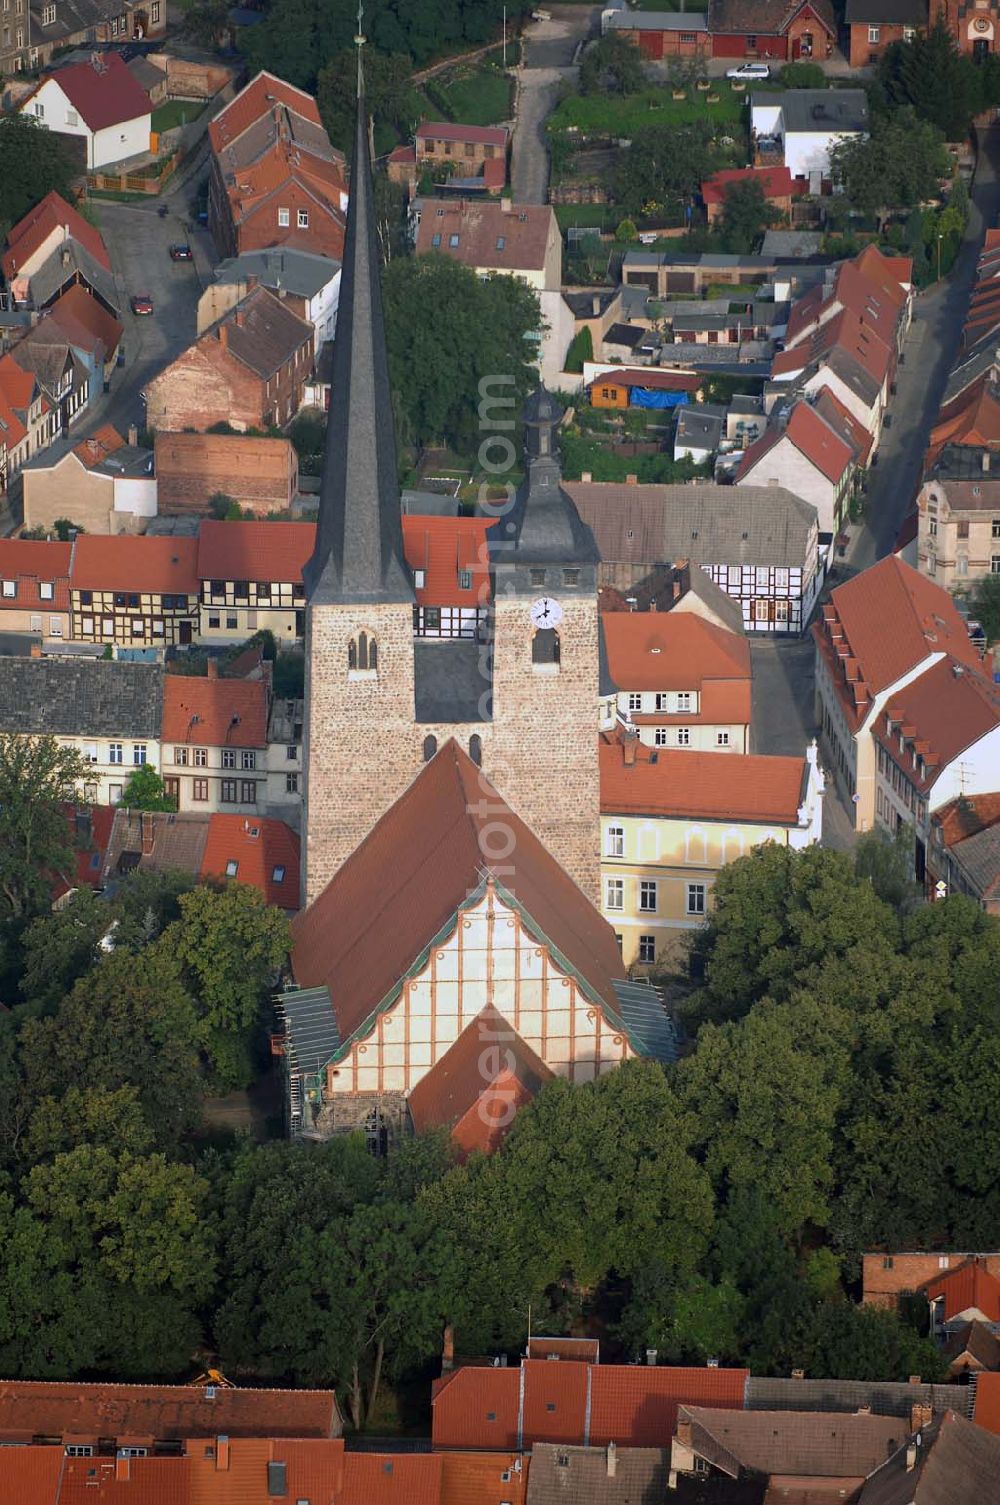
802	76
581	349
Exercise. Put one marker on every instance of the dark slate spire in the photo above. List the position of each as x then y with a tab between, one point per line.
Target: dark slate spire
549	528
359	542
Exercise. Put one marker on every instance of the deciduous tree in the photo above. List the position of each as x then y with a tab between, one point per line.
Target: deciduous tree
37	775
33	161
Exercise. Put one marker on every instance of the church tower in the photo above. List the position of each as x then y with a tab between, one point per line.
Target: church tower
359	720
543	756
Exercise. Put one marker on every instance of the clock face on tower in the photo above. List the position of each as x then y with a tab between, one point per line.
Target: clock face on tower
545	612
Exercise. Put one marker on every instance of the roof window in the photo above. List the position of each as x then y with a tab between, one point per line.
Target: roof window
232	868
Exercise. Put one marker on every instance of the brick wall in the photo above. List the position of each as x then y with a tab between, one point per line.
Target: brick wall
203	387
909	1272
261	474
324	234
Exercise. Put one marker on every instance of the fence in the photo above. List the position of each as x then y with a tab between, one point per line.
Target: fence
134	182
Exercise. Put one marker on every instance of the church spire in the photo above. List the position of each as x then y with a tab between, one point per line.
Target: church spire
359	541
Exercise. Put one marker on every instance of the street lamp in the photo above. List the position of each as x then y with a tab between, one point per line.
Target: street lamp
939	240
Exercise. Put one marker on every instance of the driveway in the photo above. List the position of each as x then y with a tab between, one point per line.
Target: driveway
138	240
547	60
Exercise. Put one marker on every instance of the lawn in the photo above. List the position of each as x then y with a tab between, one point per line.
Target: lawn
474	94
624	115
175	112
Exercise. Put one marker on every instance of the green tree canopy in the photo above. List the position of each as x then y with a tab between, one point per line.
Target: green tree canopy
33	161
37	776
468	332
895	168
144	790
930	75
665	165
746	214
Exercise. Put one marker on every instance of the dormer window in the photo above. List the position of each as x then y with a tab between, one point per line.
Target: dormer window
419	577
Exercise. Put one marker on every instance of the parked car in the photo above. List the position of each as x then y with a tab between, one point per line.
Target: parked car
181	253
142	303
754	71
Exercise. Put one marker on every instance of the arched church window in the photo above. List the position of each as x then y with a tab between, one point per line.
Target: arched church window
352	654
430	748
476	749
362	653
545	646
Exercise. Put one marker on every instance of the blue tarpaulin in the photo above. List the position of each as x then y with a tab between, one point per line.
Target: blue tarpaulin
655	397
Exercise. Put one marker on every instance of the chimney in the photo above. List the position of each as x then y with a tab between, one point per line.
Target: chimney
66	237
222	1454
631	480
612	1460
148	833
920	1416
36	650
628	751
595	305
914	1379
133	435
684	1433
64	257
251	281
212	669
505	206
448	1349
224	336
121	1466
911	1457
798	1374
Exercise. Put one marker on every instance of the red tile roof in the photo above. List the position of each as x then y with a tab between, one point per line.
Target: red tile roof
275	552
881	625
30	1476
476	1408
90	849
941	714
479	135
266	852
214	712
486	234
128	1481
145	563
843	421
103	94
50	213
645	376
82	1412
12	430
973	419
410	876
575	1403
392	1479
98	445
776	182
479	1083
314	1470
970	1285
812	436
29	561
680	651
966	816
483	1478
256	100
83	320
754	787
17	385
441	547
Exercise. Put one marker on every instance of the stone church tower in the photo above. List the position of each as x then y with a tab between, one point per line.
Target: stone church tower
379	703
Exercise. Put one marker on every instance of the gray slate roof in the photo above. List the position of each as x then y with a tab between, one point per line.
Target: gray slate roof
886	1398
957	1463
129	460
178	844
818	109
791	243
700	425
301	273
359	539
809	1444
657	20
708	524
581	1475
449	682
81	698
269	335
979	858
55	274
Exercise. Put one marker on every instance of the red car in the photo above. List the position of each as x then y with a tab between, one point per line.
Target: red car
181	253
142	303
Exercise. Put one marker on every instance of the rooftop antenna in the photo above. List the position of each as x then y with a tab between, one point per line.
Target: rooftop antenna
359	42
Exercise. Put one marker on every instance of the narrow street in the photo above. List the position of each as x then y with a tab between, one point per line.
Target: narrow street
547	60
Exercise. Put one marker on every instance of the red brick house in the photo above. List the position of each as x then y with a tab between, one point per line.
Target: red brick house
777	184
873	25
475	151
249	370
274	178
974	24
783	30
887	1276
660	34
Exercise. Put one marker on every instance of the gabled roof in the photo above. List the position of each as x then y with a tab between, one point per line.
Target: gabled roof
79	1411
266	853
679	783
154	841
803	1443
50	213
96	448
483	1479
262	332
33	1475
132	1481
460	1094
482	233
255	100
30	561
775	182
442	547
449	130
275	552
955	1462
939	715
143	563
63	266
393	1478
214	712
560	1473
886	13
18	386
843	422
79	697
974	1340
968	1286
652	650
812	436
261	1469
84	321
646	376
412	874
102	91
766	17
